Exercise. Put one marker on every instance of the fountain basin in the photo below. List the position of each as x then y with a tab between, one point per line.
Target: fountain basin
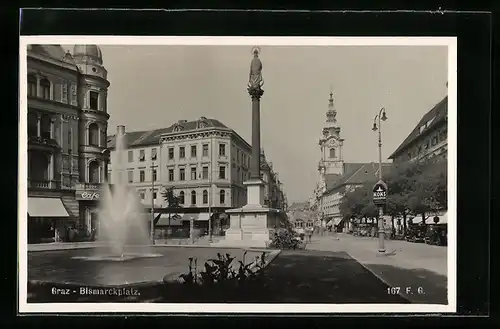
116	258
93	268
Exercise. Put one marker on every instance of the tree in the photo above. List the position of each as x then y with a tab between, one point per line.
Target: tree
172	201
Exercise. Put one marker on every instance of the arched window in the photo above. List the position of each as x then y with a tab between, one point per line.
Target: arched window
205	197
94	134
94	172
45	126
222	196
193	197
181	197
45	86
38	169
332	153
32	85
32	124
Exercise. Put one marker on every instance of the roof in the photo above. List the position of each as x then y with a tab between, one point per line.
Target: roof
151	137
434	117
52	51
330	179
359	173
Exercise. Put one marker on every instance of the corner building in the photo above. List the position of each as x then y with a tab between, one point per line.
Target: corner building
203	160
67	124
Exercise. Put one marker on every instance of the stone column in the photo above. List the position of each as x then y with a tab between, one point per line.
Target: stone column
38	91
51	167
100	171
255	93
38	125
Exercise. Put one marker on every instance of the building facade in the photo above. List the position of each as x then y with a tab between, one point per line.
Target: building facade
204	161
428	139
274	196
67	123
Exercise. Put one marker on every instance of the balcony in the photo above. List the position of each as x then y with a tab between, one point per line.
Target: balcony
88	186
42	144
44	184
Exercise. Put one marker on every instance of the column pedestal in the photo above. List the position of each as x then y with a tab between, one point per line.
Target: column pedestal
252	225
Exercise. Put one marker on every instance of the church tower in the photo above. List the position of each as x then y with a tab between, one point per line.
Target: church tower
331	144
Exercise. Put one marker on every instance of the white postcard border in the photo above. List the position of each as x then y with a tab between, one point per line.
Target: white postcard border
24	307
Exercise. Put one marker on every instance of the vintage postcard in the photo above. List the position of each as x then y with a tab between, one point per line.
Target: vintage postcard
237	174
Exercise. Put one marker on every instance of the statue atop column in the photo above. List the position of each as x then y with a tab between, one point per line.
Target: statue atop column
255	81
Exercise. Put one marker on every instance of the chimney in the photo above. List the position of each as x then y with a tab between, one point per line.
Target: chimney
182	121
120	130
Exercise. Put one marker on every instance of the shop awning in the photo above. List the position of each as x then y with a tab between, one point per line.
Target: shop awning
196	217
175	220
443	219
334	221
46	207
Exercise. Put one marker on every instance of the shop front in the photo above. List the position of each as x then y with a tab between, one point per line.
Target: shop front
47	218
88	196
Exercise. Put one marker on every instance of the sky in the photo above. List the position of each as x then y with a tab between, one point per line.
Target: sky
154	86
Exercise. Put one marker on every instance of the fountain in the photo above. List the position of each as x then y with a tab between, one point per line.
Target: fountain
122	219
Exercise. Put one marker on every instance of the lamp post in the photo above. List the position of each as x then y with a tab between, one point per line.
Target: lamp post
191	229
381	116
210	191
152	202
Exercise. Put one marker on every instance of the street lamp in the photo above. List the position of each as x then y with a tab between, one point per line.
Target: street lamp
381	232
152	202
153	177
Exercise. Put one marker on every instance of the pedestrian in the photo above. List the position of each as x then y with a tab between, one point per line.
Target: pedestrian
310	233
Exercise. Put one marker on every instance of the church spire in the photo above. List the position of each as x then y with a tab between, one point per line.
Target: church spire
331	114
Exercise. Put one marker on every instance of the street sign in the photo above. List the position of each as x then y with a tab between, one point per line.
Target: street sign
380	193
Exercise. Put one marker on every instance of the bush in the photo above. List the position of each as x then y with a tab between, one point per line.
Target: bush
219	271
285	239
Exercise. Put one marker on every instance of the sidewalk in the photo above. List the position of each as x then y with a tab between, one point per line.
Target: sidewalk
203	241
416	271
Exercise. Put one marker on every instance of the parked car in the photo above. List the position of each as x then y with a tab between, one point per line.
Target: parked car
416	233
436	235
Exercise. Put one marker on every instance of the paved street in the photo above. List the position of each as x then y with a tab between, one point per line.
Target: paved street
406	265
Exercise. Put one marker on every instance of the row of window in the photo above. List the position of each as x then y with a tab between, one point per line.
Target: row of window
45	131
142	176
430	142
182	153
45	91
194	173
142	155
194	151
222	197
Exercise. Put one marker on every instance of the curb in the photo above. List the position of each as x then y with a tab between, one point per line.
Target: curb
401	294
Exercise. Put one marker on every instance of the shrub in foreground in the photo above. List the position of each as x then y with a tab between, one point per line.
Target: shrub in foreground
285	239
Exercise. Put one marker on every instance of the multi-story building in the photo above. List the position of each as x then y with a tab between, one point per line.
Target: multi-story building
428	138
67	123
273	188
204	161
140	166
